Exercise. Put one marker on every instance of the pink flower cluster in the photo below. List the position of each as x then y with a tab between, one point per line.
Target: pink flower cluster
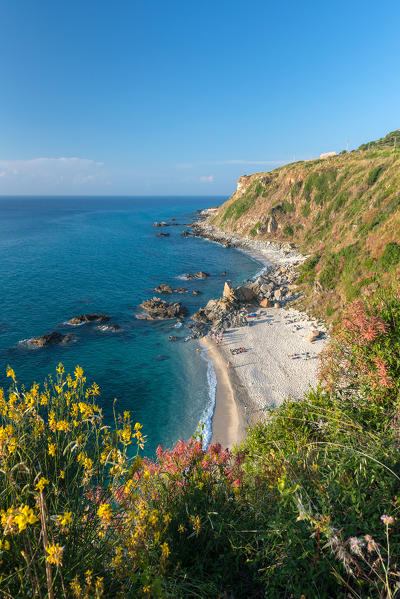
362	326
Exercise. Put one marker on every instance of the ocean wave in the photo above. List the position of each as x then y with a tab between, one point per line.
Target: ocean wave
208	413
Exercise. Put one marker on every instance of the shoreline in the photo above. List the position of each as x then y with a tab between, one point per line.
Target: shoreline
280	360
229	419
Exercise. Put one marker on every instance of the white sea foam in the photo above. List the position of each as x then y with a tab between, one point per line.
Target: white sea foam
27	343
208	412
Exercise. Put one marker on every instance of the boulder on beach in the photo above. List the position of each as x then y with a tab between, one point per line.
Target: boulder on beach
314	335
229	292
265	303
162	235
50	339
85	318
238	294
158	309
244	294
196	292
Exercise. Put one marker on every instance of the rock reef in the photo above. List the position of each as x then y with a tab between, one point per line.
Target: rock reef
52	338
86	318
158	309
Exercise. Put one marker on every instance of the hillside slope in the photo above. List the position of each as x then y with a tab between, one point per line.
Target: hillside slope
344	212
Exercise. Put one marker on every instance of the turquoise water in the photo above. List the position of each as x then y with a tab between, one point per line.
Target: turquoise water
65	256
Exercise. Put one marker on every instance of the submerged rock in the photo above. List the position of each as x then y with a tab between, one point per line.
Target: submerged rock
164	288
108	328
50	338
84	318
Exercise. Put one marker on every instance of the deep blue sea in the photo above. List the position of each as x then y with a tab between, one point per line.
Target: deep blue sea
61	257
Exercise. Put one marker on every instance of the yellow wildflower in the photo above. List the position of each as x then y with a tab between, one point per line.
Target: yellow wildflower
52	449
62	474
60	369
104	512
24	516
181	528
65	519
4	545
62	425
195	521
41	484
11	373
55	553
98	586
76	588
146	589
165	550
52	421
78	372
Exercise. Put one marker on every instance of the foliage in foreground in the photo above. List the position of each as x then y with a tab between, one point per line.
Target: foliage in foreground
308	506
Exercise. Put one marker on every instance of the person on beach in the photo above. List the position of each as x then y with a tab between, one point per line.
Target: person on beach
229	364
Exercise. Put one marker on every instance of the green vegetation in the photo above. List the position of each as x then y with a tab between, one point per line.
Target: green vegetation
374	174
308	505
295	189
390	140
391	256
253	230
329	205
308	267
288	231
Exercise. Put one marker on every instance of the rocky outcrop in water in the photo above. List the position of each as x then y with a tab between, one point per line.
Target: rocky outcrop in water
86	318
158	309
197	275
108	328
164	288
52	338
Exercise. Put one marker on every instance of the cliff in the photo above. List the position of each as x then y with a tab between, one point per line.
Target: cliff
342	211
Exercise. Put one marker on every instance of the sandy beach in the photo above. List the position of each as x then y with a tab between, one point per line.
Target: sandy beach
279	362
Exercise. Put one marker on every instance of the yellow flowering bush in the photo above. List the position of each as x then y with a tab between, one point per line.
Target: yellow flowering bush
62	475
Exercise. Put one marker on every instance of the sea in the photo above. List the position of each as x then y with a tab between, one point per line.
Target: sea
65	256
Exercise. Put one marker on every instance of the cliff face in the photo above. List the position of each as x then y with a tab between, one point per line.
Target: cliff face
343	211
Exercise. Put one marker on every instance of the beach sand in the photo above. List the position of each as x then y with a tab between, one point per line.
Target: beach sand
266	374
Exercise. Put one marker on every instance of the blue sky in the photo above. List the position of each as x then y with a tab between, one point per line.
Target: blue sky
182	97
